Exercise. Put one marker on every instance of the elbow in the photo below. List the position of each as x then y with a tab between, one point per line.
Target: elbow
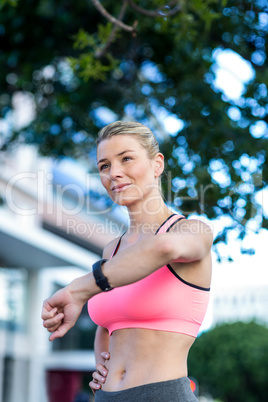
166	249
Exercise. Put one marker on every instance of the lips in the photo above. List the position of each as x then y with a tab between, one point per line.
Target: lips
120	187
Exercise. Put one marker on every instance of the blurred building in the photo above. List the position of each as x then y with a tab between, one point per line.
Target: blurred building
54	223
240	291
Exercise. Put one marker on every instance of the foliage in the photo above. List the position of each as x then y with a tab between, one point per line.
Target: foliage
231	362
73	64
87	64
10	2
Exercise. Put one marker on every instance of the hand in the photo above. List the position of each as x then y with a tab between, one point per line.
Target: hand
60	313
99	376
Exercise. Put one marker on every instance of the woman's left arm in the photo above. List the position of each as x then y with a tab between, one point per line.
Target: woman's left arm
190	240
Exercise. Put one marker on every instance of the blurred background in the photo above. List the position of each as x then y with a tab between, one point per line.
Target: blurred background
196	73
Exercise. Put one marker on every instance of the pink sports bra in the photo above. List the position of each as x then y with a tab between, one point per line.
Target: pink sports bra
162	301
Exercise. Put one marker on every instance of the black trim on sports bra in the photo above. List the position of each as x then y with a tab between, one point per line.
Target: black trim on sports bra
186	283
175	273
162	224
174	223
117	246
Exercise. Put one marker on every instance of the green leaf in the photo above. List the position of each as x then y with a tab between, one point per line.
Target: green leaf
104	32
83	39
88	67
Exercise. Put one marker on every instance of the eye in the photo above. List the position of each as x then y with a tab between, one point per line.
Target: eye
126	158
102	167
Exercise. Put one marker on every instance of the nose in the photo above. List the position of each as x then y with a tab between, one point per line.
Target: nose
115	171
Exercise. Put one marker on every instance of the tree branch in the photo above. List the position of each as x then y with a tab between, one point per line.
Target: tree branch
156	13
118	23
112	19
102	52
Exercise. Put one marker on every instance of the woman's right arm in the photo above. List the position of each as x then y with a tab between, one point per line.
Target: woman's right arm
101	347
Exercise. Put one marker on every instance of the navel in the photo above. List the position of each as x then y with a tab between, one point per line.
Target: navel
123	374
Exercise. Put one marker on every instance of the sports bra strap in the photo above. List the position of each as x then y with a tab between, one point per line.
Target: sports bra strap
169	223
166	225
117	246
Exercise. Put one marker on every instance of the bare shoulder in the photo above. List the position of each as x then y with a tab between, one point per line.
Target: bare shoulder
195	227
109	248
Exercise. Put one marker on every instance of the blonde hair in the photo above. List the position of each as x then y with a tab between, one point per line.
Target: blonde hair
142	133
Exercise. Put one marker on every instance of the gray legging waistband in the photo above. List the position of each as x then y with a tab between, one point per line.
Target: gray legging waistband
178	390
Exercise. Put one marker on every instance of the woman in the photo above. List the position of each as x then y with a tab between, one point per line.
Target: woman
150	292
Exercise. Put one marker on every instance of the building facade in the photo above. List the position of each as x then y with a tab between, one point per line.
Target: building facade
240	291
53	227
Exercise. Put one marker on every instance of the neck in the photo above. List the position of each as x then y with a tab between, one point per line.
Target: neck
147	221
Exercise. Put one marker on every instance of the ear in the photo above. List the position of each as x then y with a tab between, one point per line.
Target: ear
159	164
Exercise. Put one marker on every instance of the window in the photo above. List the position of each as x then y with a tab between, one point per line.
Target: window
13	298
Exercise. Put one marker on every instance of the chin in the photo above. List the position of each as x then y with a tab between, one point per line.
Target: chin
125	203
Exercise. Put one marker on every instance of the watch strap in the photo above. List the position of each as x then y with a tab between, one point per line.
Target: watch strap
100	279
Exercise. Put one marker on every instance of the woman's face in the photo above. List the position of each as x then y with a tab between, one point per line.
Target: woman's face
126	171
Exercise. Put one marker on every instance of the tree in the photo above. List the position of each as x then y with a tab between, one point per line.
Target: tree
230	362
163	67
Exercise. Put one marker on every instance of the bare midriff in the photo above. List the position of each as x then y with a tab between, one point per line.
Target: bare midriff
143	356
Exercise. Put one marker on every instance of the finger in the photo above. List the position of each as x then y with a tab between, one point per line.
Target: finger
46	314
52	329
98	377
105	355
94	386
102	369
52	322
52	326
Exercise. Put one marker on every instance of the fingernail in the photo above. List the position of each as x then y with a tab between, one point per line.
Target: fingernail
104	372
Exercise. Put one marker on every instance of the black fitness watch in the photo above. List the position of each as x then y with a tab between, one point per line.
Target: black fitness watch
100	279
